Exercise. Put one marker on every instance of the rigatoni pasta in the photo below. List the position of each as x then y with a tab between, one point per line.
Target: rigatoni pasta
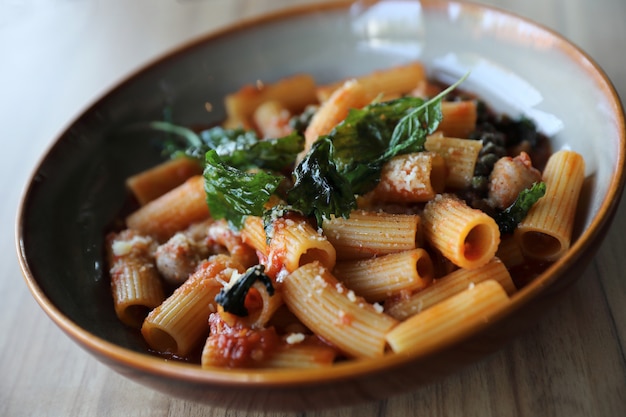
411	178
373	233
351	95
294	242
302	355
344	221
459	118
135	283
335	313
460	157
472	307
403	307
172	211
381	277
294	93
176	325
546	231
154	182
466	236
392	81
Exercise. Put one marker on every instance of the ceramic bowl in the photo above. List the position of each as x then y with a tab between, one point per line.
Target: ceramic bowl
518	66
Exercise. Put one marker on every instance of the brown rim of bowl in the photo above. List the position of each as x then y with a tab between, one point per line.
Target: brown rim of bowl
351	369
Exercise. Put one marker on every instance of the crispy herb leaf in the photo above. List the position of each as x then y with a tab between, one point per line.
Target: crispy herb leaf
319	190
410	133
365	134
509	218
238	148
274	154
243	149
224	141
234	194
338	166
232	298
362	141
348	161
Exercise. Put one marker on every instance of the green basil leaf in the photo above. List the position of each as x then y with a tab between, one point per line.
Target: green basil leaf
234	194
510	217
319	189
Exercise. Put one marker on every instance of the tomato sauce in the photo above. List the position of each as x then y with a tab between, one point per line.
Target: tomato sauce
236	346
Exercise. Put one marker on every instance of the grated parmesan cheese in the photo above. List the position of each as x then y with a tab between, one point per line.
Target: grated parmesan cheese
124	247
294	338
234	277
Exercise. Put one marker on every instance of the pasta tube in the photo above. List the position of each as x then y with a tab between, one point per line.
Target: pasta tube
294	242
378	278
350	95
294	93
411	178
367	233
135	283
389	82
301	355
453	283
459	118
261	306
460	156
335	313
469	308
173	211
179	323
234	345
546	231
468	237
154	182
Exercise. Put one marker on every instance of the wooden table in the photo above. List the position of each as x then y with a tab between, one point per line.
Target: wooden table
58	56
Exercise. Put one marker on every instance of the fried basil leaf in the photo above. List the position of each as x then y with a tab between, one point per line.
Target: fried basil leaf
243	149
319	189
510	217
233	297
234	194
348	161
